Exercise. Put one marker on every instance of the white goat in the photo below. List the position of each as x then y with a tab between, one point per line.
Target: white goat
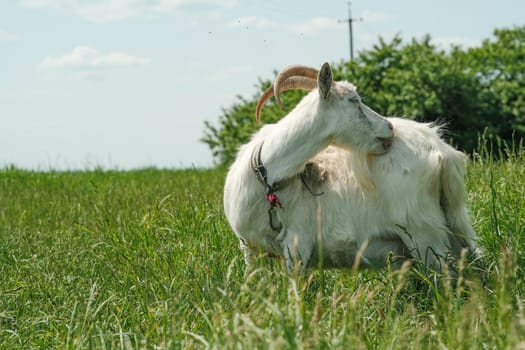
334	180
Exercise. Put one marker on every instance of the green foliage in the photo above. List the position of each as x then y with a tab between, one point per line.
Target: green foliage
499	66
475	91
105	259
146	259
420	82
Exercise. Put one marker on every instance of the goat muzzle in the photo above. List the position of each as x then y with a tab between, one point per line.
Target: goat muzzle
386	142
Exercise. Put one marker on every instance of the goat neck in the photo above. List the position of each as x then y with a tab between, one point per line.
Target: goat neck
294	140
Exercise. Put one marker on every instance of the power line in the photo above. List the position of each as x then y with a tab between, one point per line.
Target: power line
350	20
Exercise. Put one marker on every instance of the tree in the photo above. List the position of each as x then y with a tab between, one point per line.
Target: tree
419	81
473	91
499	68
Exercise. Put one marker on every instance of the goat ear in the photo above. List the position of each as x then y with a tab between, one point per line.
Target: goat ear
324	80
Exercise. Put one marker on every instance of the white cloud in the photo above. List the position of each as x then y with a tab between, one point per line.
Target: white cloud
315	25
310	26
86	57
6	36
371	17
170	5
252	22
115	10
108	11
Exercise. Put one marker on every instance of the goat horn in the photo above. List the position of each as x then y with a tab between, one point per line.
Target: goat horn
293	77
265	96
292	83
292	71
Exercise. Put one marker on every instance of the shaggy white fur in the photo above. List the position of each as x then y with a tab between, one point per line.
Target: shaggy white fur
390	187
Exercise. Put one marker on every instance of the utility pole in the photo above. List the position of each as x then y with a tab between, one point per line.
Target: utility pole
350	20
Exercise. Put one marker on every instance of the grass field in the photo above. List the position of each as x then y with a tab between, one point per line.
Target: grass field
146	259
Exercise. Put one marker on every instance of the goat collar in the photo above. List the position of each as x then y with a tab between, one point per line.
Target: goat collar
260	172
269	189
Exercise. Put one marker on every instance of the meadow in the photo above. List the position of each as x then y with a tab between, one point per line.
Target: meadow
145	259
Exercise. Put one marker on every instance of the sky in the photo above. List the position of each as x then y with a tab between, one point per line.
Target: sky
125	84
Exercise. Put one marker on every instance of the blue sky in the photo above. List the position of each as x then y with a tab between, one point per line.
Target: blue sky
129	83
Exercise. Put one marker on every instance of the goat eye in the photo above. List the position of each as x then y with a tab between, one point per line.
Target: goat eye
354	99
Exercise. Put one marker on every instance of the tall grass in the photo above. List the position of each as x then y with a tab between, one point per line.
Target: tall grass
146	259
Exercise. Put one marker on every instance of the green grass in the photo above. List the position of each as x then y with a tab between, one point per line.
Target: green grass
146	259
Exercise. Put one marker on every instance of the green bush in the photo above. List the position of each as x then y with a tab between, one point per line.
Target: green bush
146	259
473	91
